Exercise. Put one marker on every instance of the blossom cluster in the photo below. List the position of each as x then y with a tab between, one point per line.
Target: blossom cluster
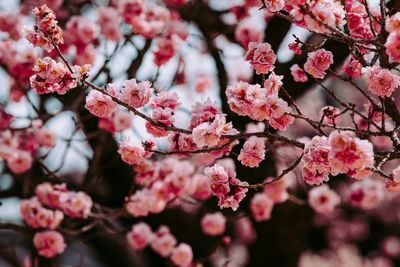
253	101
46	29
224	184
342	152
162	242
46	211
17	147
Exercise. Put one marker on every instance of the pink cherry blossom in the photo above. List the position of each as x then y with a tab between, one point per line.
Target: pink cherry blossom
163	242
366	194
49	243
203	83
136	94
352	67
140	236
200	186
274	5
277	190
248	31
37	216
213	224
316	162
393	23
182	255
350	155
77	204
253	152
273	83
48	29
261	207
380	81
20	161
99	104
261	57
131	153
318	62
298	74
393	47
322	199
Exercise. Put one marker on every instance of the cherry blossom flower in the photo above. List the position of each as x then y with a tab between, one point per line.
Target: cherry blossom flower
182	255
140	236
49	243
213	224
318	62
253	152
380	81
322	199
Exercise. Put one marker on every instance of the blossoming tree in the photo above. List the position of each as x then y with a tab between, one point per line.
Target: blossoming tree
284	144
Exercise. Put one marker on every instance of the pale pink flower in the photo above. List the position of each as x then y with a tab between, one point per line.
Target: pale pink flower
136	94
163	243
20	161
217	174
350	154
352	67
77	204
366	194
163	115
277	190
298	74
274	5
393	23
241	96
316	160
273	83
245	231
253	152
121	120
50	195
203	83
261	207
393	47
261	57
165	99
213	224
200	186
129	9
203	112
152	22
47	29
81	31
248	31
391	246
49	243
108	19
318	62
155	130
322	199
44	136
380	81
131	153
166	49
36	216
206	134
99	104
182	255
140	236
